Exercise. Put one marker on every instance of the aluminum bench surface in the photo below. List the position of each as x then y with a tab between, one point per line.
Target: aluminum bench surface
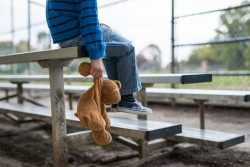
199	94
58	54
44	87
139	129
210	138
76	89
145	78
8	86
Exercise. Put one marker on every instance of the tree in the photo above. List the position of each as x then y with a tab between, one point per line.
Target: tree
203	53
233	23
5	47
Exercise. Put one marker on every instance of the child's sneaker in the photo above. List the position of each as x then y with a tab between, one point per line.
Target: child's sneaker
113	108
131	107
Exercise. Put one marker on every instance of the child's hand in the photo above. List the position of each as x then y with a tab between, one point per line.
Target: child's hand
96	68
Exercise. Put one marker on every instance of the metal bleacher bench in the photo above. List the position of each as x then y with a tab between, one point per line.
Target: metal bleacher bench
22	83
55	60
145	132
199	96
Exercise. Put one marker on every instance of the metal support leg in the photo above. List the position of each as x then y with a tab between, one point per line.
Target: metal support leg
58	116
201	111
70	99
20	93
142	149
59	129
7	94
142	97
8	97
172	102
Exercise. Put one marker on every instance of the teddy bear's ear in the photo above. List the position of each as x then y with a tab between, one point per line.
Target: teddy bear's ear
84	69
118	83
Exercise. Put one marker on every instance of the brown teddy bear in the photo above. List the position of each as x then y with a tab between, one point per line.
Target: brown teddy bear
91	109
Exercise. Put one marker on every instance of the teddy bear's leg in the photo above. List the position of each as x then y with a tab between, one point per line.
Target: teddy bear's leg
102	137
105	116
107	120
89	116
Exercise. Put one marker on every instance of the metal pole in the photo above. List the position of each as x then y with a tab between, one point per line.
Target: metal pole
12	25
13	48
172	43
29	36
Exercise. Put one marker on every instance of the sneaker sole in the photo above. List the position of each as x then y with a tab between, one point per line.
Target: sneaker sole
133	111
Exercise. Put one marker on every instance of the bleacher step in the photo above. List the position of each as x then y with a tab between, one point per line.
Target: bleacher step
129	127
209	138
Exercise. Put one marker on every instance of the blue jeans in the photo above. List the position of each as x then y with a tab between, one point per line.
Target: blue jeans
121	68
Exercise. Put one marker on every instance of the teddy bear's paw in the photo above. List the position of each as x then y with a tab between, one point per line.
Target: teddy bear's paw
102	137
93	122
84	69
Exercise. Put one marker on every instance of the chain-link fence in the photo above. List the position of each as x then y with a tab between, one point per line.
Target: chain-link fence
214	40
207	36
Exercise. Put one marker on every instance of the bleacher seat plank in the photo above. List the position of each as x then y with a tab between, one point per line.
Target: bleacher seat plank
149	130
145	78
201	94
58	54
76	89
140	129
209	138
8	86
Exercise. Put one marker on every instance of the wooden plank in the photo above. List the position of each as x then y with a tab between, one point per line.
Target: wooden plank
139	129
210	138
200	94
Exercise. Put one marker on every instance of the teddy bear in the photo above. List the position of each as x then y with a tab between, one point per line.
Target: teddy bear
91	110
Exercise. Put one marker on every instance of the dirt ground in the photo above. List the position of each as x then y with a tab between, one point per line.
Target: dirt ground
30	144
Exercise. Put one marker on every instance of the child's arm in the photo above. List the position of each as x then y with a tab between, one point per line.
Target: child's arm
92	36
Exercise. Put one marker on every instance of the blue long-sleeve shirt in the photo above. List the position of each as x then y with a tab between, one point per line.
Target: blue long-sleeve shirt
68	19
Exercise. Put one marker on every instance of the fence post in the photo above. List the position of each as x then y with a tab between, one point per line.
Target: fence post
173	41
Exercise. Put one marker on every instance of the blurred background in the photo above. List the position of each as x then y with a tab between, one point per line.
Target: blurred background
174	36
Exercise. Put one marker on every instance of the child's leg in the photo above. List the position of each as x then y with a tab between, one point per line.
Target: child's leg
72	42
124	69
